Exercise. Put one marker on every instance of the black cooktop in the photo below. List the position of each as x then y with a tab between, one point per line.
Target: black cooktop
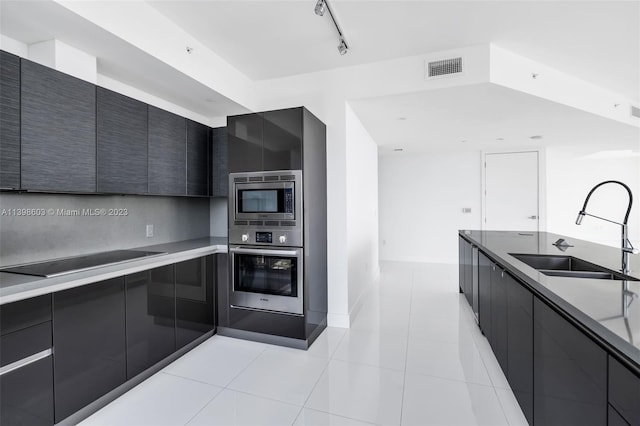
56	267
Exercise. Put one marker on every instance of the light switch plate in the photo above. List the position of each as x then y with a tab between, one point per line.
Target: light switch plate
466	210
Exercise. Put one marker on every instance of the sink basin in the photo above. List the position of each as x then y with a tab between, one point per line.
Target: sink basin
569	266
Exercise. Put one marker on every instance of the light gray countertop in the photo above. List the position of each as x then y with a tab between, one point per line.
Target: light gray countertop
14	287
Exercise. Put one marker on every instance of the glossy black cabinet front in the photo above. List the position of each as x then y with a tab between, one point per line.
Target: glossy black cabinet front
282	139
167	153
150	317
9	121
26	395
624	391
58	131
466	269
122	143
245	142
484	294
499	330
89	342
194	299
570	373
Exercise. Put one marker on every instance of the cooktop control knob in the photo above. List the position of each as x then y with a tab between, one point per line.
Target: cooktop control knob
245	238
283	239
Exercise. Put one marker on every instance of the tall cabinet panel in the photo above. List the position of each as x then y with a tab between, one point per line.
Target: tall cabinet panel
194	299
219	167
58	130
484	294
245	143
197	159
150	318
89	344
282	139
167	153
122	143
570	373
9	121
498	335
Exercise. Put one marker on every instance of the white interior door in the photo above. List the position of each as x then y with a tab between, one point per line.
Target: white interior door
511	191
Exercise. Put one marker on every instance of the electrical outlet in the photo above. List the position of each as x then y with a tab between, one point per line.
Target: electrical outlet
149	231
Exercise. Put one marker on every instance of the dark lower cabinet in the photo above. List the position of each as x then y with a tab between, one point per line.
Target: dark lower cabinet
9	121
26	395
194	299
615	419
89	344
484	294
570	373
150	318
466	269
520	344
499	330
624	391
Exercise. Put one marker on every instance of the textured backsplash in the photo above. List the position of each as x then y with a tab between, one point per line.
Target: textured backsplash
37	227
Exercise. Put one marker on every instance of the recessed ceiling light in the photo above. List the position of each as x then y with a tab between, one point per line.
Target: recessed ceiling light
535	137
398	149
499	139
463	141
402	118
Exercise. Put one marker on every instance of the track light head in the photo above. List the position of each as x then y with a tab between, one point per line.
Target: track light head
320	7
342	47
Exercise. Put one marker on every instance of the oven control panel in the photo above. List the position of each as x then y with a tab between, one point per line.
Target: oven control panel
264	237
269	237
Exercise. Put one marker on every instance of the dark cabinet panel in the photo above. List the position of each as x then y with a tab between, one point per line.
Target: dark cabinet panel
26	395
167	153
219	158
282	139
461	260
197	159
615	419
58	131
466	269
24	343
624	391
89	343
570	372
150	318
499	330
9	121
520	344
194	299
245	133
122	143
484	294
222	289
25	313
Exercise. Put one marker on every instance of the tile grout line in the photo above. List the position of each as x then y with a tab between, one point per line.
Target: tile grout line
406	353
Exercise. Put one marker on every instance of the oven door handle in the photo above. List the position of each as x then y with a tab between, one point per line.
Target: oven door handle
264	252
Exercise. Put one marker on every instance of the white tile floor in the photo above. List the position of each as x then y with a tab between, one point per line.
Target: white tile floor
414	356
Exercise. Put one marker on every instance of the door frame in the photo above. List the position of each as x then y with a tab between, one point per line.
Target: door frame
542	183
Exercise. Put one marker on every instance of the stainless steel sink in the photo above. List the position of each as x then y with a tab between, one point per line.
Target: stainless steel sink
569	266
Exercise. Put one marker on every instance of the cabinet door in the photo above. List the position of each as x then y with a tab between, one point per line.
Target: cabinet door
614	418
122	143
245	142
150	318
484	294
499	330
26	395
282	139
520	344
570	372
58	130
468	272
9	121
194	299
197	159
89	344
167	153
461	261
624	391
219	158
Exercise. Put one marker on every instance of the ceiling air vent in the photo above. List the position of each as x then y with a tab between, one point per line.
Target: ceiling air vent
635	111
444	67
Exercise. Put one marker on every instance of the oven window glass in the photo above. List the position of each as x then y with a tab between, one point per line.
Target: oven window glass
266	274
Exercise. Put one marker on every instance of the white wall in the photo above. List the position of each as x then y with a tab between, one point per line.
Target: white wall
362	210
572	171
421	199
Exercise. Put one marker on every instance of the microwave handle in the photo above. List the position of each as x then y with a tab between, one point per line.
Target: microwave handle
264	252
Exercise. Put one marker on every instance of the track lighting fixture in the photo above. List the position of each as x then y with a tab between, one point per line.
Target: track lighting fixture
322	6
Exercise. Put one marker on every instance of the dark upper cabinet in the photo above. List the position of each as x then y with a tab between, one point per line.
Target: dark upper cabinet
58	131
9	121
198	159
244	136
89	341
624	391
570	372
167	153
121	143
484	294
219	157
150	318
282	139
499	330
194	299
520	344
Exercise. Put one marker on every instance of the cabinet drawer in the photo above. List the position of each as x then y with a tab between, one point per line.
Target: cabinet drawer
25	313
624	391
23	343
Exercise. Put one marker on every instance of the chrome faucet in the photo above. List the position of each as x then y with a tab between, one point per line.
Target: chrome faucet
627	247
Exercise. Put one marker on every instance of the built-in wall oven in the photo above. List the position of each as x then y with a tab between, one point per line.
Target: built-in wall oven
265	241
